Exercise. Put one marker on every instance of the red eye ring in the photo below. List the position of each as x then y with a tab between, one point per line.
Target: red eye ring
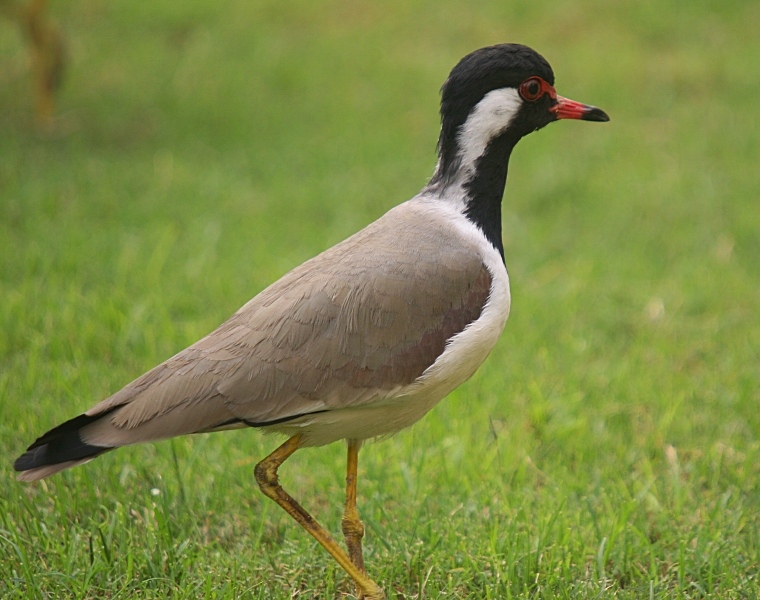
534	88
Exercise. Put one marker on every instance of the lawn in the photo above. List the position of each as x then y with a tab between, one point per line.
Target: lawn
608	448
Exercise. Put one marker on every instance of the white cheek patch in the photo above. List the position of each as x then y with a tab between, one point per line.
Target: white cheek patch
490	117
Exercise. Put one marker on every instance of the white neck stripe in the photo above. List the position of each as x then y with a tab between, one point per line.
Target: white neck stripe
490	117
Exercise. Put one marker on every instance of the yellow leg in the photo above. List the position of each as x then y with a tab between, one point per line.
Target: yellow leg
266	477
353	528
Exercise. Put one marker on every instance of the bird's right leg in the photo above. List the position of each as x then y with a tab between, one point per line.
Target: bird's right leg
266	477
353	528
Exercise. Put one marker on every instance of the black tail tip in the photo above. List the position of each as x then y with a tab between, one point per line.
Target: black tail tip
62	446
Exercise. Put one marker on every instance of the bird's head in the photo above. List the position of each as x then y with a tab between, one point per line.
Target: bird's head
503	91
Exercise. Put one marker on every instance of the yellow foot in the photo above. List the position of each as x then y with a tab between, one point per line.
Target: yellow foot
371	591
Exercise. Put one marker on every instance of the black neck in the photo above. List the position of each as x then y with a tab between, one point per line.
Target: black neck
483	185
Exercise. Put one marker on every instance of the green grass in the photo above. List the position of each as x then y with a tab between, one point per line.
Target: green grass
609	447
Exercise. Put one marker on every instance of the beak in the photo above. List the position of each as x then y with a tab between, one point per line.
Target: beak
570	109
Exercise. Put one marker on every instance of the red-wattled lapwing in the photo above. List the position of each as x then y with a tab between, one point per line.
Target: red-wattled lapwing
364	339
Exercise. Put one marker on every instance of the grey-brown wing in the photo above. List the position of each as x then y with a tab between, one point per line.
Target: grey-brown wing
351	326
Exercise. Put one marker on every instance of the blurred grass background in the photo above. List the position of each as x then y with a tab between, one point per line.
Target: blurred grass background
609	447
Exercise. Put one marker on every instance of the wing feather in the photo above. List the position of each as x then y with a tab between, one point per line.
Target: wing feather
349	327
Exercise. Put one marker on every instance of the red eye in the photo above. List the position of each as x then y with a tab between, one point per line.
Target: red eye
533	88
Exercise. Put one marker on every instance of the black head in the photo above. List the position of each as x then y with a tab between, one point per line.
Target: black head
486	70
512	87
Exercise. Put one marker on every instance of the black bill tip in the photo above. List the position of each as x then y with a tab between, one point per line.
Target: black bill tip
595	114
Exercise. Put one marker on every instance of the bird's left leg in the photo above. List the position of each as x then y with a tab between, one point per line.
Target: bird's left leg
353	528
266	477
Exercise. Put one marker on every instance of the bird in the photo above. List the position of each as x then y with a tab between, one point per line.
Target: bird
364	339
